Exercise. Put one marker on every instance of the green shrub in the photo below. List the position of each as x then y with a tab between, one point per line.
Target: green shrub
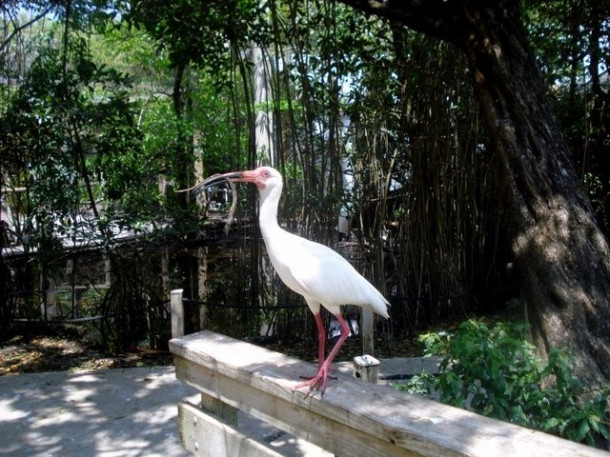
493	371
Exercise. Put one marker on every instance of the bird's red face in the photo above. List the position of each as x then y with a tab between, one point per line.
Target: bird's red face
258	176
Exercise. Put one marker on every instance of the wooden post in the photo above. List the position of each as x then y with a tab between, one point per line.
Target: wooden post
107	273
177	308
366	367
165	285
353	253
218	408
72	269
368	331
202	289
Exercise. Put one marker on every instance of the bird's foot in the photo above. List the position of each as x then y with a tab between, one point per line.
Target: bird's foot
328	376
317	382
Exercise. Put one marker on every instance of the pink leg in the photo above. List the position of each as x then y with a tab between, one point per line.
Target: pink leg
321	339
321	344
319	380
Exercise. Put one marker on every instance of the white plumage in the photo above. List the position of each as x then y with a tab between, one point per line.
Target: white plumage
319	274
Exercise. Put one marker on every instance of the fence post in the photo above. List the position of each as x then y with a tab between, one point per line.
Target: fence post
367	330
366	367
177	310
219	408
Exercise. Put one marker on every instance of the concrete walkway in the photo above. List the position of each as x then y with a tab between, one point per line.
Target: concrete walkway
119	413
113	413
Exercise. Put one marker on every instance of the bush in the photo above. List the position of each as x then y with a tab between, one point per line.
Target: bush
493	371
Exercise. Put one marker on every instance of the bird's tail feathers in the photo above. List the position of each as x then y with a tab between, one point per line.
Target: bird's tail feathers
379	305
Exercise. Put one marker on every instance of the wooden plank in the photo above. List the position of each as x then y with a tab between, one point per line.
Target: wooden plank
219	409
206	436
353	418
337	438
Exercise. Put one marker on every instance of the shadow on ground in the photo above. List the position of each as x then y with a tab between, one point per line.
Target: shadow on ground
129	412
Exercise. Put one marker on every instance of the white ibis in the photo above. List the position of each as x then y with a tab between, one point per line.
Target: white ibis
318	273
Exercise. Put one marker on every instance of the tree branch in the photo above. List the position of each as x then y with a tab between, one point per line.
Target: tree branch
24	26
442	19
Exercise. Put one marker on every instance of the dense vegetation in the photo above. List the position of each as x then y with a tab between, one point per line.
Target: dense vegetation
493	370
109	110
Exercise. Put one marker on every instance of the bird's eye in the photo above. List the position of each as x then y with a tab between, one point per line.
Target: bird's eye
267	173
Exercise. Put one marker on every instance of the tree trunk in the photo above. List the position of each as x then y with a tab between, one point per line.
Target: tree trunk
263	132
561	254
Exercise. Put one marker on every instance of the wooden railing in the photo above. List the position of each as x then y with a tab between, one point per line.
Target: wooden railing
353	418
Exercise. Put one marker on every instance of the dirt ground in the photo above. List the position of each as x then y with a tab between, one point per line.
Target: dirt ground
33	354
27	351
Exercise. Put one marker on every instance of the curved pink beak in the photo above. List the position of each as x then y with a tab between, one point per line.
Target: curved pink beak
252	176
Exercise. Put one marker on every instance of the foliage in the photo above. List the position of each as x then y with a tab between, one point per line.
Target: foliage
198	32
98	112
355	91
572	47
72	127
132	51
493	371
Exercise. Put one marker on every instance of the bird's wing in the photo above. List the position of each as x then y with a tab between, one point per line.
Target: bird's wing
319	273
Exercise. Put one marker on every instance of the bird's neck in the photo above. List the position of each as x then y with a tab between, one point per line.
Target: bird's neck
267	214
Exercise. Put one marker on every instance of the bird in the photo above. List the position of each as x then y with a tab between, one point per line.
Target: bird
318	273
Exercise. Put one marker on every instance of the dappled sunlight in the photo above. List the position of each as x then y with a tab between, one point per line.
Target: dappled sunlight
105	413
352	417
556	234
566	283
557	242
118	412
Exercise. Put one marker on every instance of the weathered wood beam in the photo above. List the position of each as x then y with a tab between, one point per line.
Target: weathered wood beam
206	436
353	418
